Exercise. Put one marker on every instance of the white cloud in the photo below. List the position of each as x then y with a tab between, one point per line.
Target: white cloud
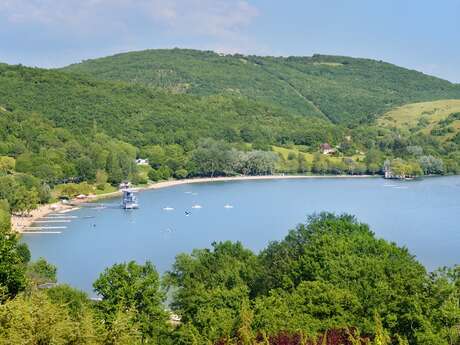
215	18
58	32
209	17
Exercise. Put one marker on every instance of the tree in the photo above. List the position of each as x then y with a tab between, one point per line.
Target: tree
444	292
35	320
20	199
154	175
373	160
101	177
415	150
414	169
181	173
7	164
431	165
313	307
5	221
76	301
79	309
27	200
85	168
12	266
303	166
342	252
41	272
155	154
320	164
211	286
123	330
132	287
164	173
113	169
211	158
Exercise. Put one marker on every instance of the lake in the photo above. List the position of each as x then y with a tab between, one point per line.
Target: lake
422	215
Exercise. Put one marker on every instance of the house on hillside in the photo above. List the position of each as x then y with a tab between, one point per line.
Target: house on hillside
142	161
326	149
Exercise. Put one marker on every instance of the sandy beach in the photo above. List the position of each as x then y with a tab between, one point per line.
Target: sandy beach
171	183
22	223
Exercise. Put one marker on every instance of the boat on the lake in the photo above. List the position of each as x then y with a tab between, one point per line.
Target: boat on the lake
129	201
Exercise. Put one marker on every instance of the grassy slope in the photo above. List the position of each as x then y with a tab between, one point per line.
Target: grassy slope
287	165
424	117
340	88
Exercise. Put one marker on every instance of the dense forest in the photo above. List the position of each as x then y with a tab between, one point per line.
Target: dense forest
341	89
329	282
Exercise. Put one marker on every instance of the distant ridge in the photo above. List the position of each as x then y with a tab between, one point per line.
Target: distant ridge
341	89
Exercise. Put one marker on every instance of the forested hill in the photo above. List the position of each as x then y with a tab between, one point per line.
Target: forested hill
58	126
343	89
140	115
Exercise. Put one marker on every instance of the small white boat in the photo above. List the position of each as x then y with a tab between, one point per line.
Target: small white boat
197	206
228	206
167	208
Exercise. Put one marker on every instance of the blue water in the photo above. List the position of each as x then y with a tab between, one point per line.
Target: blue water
422	215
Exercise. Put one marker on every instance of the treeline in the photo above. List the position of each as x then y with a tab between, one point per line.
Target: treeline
330	281
422	165
210	158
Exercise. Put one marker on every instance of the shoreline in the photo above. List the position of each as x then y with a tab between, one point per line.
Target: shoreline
22	223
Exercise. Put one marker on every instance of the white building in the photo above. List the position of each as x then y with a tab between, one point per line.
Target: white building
142	161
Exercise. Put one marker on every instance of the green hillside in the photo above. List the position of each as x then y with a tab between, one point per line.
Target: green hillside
59	127
142	115
438	118
342	89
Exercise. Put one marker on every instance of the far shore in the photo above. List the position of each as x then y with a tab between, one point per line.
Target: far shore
22	223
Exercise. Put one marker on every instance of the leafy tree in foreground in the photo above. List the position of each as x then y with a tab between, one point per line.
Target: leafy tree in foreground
343	252
12	265
210	286
331	273
134	287
329	282
35	320
41	272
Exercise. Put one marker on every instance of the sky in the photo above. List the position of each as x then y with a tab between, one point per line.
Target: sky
417	34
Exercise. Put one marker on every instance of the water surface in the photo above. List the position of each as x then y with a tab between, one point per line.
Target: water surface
422	215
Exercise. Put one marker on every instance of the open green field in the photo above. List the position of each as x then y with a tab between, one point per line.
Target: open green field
289	163
426	117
